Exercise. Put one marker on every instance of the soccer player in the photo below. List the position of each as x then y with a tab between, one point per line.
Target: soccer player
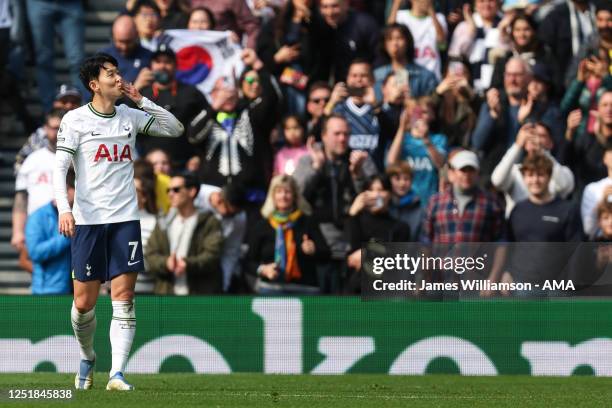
99	140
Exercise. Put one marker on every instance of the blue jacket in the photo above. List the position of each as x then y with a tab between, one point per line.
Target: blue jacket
421	81
49	251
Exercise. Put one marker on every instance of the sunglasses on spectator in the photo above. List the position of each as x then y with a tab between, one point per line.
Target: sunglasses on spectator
251	80
319	100
174	189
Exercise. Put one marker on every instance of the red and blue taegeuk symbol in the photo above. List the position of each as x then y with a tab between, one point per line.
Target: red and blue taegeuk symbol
194	64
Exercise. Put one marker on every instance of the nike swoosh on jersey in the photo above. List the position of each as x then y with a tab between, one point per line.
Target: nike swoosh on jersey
132	263
95	134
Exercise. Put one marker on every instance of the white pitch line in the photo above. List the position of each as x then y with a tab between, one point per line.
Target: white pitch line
358	396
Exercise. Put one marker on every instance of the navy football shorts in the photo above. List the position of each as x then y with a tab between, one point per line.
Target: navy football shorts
101	252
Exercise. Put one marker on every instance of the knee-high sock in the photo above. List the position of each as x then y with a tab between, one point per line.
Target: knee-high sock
122	330
84	326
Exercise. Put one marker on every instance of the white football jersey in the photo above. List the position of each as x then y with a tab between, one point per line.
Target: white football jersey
102	147
36	178
423	32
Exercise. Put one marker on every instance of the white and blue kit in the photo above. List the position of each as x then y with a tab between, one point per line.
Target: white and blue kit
101	147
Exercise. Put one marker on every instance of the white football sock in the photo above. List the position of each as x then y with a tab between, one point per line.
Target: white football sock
122	330
84	326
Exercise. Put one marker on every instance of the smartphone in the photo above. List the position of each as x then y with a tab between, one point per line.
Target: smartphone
456	68
401	77
354	91
379	202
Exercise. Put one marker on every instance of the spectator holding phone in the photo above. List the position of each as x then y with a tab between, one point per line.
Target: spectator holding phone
592	80
475	37
183	100
456	104
287	47
355	101
585	152
232	135
370	221
601	39
330	177
533	139
398	52
425	152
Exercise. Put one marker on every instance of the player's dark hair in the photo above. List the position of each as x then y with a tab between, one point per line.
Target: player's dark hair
191	179
90	68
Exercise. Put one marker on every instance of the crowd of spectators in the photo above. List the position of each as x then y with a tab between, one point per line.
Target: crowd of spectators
431	121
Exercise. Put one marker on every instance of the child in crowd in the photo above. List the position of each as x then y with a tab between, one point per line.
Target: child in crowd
287	157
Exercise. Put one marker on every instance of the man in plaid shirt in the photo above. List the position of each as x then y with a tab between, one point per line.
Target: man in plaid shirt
463	212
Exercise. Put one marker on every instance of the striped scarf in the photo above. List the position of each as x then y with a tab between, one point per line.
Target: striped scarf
285	253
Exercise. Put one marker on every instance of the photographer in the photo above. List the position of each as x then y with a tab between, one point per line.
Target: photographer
532	139
355	101
182	100
425	152
456	104
370	221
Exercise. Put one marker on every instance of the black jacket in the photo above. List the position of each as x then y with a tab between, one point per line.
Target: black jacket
268	43
185	101
356	37
368	227
245	156
261	247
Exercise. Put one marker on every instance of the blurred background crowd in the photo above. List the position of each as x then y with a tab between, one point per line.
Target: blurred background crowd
432	121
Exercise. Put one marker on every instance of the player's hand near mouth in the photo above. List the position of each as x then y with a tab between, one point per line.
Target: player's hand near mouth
130	91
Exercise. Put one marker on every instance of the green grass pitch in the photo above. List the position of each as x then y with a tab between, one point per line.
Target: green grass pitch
356	390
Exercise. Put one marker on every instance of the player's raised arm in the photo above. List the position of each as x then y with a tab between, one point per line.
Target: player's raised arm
161	122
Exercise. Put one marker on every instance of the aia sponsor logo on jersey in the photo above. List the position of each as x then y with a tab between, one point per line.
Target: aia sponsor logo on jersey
114	153
43	178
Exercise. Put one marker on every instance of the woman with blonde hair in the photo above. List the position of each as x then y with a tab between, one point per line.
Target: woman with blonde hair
286	243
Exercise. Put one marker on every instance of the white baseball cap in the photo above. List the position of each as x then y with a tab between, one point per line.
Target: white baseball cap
465	158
